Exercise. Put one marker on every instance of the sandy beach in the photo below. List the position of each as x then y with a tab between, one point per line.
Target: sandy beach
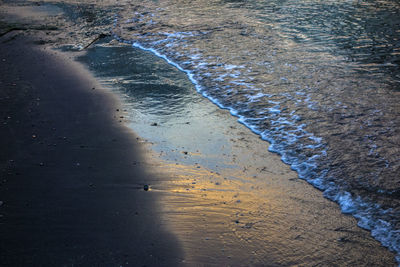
80	186
72	192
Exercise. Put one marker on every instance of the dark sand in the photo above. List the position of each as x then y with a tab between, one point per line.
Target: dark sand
71	176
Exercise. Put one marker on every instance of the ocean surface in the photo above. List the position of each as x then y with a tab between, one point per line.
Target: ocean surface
318	80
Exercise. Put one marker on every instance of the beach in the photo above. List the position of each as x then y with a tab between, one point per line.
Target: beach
93	176
72	193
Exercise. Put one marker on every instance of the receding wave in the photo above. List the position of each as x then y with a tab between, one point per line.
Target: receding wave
315	80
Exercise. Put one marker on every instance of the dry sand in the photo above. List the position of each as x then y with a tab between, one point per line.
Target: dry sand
71	189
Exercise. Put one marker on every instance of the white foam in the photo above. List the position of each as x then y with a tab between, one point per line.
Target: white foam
281	136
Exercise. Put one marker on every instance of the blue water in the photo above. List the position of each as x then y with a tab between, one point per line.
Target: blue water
318	80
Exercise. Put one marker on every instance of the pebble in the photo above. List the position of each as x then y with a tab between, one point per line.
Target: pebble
146	187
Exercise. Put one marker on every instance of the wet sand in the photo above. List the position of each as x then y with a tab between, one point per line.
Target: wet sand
228	200
72	179
72	190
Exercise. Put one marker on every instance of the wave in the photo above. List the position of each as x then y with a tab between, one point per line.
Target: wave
280	117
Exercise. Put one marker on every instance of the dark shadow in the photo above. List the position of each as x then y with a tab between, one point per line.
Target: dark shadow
72	178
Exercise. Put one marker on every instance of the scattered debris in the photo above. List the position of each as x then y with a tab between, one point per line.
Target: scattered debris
100	36
38	28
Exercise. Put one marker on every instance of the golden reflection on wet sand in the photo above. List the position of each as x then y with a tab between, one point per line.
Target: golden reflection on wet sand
258	213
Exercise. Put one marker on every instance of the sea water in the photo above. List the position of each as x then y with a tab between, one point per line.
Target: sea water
318	80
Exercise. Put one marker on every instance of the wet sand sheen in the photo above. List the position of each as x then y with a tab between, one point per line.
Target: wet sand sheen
71	191
229	200
251	210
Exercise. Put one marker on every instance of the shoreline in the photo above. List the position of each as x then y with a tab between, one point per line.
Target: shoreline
257	212
223	179
71	190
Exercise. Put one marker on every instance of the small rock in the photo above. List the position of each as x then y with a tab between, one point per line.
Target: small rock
41	164
1	203
298	237
154	124
343	239
146	187
248	225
